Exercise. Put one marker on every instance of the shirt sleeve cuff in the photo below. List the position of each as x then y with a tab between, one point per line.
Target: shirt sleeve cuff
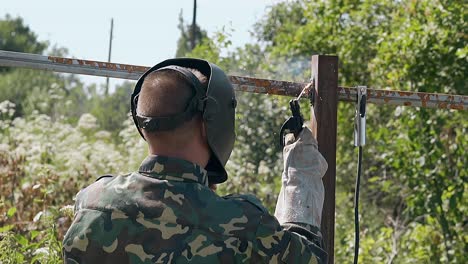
310	232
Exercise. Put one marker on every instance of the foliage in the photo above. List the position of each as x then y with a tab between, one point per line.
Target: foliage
44	162
408	45
15	36
184	42
40	91
111	110
41	246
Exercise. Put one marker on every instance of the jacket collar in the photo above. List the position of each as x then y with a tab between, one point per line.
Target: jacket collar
169	168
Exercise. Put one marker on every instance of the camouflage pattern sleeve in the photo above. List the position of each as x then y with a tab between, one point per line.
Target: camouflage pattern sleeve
291	243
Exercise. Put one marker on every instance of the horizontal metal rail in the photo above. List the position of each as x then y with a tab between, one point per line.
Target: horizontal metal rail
240	83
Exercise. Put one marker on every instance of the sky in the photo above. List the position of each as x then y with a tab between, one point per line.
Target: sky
145	32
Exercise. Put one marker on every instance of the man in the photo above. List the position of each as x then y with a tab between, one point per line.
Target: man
166	212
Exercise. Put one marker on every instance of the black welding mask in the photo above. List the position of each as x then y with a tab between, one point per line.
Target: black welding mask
216	104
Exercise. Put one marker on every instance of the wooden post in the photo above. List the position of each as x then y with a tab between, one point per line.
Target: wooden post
325	73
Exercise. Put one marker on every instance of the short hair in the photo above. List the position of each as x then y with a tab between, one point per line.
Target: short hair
165	93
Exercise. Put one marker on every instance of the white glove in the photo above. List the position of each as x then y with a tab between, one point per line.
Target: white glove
302	192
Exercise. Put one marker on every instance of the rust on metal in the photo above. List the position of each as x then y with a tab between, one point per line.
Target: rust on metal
99	64
406	98
266	86
240	83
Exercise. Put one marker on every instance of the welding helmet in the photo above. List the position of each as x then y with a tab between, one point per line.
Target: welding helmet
216	105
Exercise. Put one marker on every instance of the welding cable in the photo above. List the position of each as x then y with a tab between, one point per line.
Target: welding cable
356	208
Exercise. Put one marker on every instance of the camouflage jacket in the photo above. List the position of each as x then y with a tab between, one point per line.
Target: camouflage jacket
165	213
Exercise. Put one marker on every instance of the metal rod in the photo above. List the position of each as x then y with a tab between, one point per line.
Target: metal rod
110	52
69	65
240	83
194	25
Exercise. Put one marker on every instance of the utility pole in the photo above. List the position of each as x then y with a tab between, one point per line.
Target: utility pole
194	24
110	52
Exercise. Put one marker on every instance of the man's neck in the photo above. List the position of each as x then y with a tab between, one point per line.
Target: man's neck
189	153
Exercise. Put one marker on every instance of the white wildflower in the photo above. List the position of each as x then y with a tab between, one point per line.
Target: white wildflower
4	147
54	86
103	134
263	168
398	111
7	108
55	96
41	251
43	106
25	185
37	217
67	210
87	122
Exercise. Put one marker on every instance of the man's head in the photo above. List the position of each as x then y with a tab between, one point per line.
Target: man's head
167	93
171	114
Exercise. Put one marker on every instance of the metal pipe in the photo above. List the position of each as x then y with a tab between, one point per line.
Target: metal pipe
69	65
406	98
240	83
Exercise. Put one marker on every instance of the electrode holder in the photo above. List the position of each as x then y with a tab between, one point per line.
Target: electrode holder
360	117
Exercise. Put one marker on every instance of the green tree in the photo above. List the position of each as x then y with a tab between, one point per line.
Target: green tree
405	45
112	110
16	36
188	34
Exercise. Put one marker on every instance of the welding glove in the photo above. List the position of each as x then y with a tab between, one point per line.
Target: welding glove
302	192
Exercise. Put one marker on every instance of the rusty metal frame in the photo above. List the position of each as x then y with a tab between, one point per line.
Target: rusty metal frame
240	83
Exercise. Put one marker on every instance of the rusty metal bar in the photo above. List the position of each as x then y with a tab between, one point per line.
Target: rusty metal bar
405	98
69	65
240	83
265	86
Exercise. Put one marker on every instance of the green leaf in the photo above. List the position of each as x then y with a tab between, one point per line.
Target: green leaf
21	240
374	179
34	234
6	228
11	211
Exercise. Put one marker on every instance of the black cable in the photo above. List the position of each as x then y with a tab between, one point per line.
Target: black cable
356	208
